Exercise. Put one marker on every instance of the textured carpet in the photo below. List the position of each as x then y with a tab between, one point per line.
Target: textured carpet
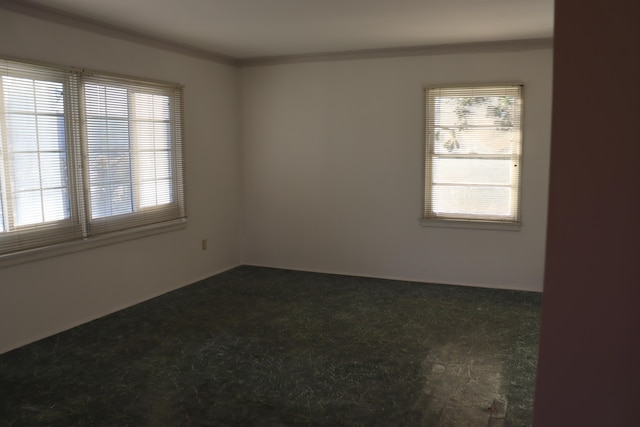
259	346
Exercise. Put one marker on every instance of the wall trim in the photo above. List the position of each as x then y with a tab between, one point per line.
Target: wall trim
26	7
500	286
443	49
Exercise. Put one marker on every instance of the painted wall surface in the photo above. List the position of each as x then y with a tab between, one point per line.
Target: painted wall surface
333	169
588	371
43	297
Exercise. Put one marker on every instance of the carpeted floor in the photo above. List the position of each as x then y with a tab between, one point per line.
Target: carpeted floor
269	347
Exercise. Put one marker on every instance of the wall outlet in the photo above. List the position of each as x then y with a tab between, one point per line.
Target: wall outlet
204	244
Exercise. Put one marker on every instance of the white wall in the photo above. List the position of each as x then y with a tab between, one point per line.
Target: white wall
329	177
333	164
43	297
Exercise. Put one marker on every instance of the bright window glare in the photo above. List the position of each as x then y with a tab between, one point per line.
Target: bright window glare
154	159
473	153
36	149
86	154
129	150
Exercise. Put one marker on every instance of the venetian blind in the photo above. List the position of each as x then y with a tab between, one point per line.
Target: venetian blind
473	153
133	153
37	157
85	154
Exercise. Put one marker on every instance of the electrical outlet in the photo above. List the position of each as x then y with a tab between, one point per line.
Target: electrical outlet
204	244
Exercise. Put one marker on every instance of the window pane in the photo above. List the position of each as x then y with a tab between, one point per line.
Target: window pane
488	201
147	166
28	208
164	191
110	166
19	94
144	106
476	141
106	101
154	193
145	136
163	164
154	165
110	180
104	134
53	170
152	139
150	135
22	134
108	144
473	111
161	107
49	97
30	96
162	136
55	204
151	107
155	182
109	200
51	133
471	171
35	142
25	168
33	172
148	194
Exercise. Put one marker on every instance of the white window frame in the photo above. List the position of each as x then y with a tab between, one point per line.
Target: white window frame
79	231
430	218
46	232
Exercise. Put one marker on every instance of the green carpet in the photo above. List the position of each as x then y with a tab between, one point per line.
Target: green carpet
270	347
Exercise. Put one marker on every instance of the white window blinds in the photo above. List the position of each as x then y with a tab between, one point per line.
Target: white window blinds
473	150
36	157
84	154
133	153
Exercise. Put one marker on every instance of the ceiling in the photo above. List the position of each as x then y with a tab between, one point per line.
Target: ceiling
245	29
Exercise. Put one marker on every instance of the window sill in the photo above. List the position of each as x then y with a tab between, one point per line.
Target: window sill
89	243
470	224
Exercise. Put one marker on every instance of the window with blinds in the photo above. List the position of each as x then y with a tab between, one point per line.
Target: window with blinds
84	155
473	153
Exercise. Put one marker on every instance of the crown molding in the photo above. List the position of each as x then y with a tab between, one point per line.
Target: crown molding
34	10
444	49
26	7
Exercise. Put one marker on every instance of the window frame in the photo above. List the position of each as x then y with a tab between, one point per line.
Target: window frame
97	226
84	232
487	222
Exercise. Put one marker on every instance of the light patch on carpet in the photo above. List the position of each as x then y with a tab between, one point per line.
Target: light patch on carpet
462	388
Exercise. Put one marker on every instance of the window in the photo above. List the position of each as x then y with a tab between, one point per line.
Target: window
473	146
85	155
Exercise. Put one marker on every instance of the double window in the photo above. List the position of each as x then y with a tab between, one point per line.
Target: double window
473	154
85	155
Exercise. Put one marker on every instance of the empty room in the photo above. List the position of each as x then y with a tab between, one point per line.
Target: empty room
285	212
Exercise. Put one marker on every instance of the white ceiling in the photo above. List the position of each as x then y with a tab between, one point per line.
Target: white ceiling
265	28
